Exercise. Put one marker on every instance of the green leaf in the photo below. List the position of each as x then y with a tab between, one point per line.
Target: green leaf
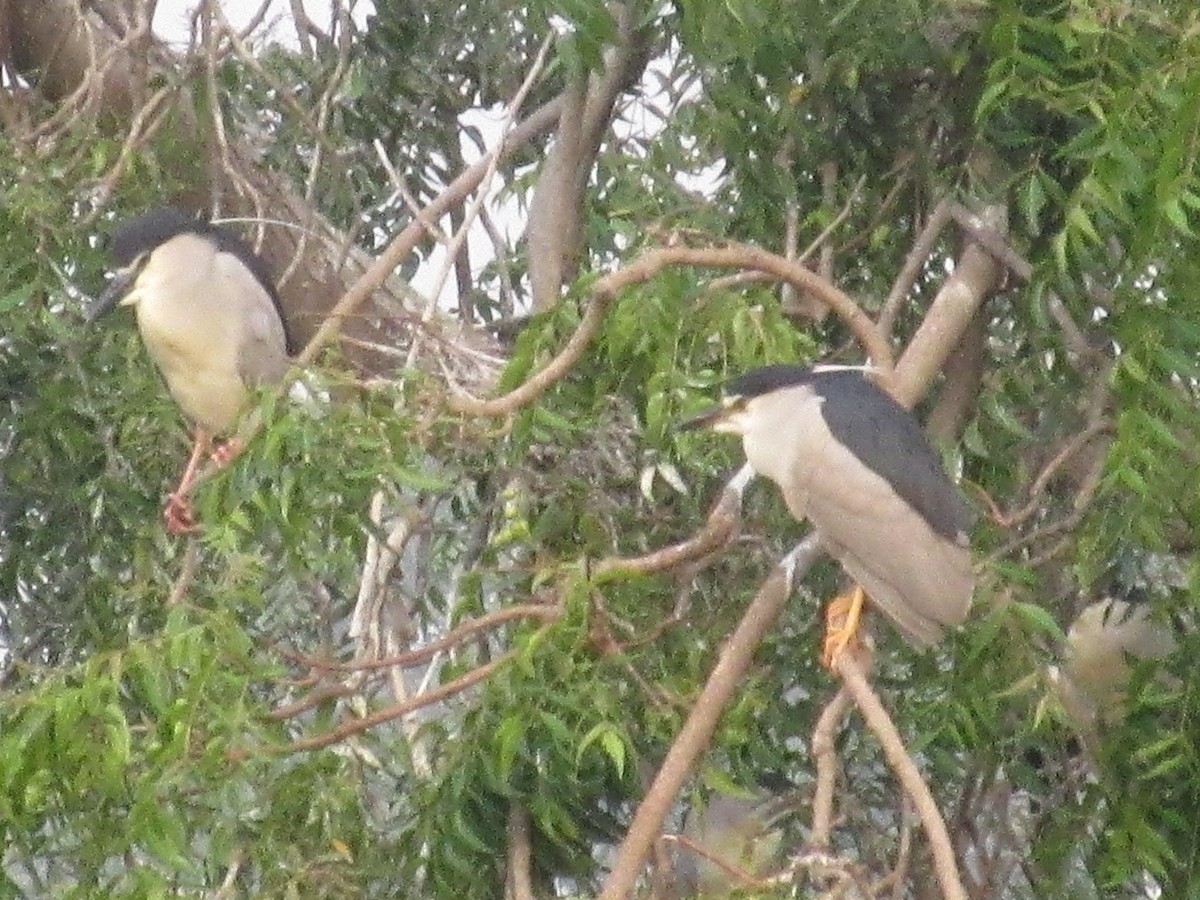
612	742
1038	620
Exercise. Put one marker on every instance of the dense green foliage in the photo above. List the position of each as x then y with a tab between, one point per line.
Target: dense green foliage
139	756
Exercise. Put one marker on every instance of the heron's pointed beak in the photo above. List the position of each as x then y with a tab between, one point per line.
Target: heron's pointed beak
117	288
706	419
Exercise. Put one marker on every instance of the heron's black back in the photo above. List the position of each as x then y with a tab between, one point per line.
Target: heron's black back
878	431
891	443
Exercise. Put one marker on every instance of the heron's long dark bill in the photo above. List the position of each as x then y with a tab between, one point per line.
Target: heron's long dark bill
117	288
706	419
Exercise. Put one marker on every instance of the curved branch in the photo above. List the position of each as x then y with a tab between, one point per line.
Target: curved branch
718	528
645	267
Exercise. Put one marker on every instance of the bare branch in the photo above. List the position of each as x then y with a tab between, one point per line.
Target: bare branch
547	612
974	278
990	239
520	854
914	262
404	243
187	573
554	232
646	266
380	716
718	528
459	238
824	752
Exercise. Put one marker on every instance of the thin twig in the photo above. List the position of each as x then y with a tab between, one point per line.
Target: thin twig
380	716
459	238
720	525
824	751
914	262
187	573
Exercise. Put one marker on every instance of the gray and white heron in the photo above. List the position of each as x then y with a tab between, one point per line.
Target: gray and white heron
847	457
209	314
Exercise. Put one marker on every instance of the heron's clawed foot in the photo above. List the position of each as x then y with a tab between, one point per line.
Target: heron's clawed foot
178	515
225	451
842	618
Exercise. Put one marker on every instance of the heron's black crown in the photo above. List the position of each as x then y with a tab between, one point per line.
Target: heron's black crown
768	378
157	226
153	229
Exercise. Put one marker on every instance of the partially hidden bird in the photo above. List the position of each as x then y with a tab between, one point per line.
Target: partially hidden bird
850	459
210	316
1104	643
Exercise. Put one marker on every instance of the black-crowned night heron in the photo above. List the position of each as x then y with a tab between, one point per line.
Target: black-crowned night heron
1103	644
209	315
855	463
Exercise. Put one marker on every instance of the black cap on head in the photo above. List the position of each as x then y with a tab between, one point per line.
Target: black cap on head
768	378
152	229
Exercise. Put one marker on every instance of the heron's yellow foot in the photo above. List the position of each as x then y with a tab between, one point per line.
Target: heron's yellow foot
842	618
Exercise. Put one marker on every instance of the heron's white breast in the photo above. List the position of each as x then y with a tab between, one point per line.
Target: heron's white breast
783	436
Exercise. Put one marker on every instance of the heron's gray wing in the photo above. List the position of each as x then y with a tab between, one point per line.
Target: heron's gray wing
1101	645
261	341
920	578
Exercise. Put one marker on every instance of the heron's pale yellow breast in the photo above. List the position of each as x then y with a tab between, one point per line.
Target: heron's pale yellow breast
191	329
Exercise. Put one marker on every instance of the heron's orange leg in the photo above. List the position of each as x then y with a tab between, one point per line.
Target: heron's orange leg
178	515
842	618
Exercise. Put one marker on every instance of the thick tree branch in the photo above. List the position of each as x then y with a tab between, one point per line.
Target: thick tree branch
520	854
554	232
963	381
975	277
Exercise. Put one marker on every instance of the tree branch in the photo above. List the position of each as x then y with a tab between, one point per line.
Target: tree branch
975	277
876	717
732	664
520	854
645	267
824	753
718	528
554	232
